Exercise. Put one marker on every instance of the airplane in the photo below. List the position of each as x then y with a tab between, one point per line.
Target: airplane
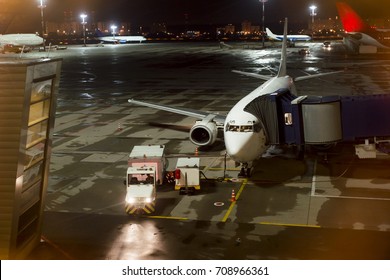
119	39
359	30
291	38
122	39
10	41
244	133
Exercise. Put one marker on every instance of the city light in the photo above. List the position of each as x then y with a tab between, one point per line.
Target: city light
313	13
42	5
263	28
113	27
83	17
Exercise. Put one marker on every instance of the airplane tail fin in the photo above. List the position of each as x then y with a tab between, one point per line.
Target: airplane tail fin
99	33
282	67
270	34
351	21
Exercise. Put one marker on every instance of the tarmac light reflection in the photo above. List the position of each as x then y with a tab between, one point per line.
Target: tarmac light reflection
136	241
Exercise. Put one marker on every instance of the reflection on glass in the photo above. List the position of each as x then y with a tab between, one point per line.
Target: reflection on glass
39	111
32	175
41	90
36	133
34	154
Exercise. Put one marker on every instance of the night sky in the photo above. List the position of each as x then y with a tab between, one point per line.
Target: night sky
145	12
214	11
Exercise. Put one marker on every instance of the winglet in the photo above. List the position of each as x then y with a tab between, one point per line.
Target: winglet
282	67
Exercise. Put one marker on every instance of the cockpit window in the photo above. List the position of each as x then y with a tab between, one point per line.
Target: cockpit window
239	128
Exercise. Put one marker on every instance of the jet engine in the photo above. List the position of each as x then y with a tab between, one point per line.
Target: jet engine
204	133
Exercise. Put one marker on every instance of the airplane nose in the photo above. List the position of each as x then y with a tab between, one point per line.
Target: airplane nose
245	147
238	148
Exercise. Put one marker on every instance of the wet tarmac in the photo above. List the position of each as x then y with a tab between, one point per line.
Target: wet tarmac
326	206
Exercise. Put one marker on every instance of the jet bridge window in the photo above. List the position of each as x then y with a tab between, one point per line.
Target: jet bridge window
288	119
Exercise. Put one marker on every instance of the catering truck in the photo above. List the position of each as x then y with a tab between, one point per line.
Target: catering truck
146	168
187	175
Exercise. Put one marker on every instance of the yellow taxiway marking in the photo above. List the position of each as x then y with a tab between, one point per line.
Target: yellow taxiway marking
166	217
288	225
227	169
224	219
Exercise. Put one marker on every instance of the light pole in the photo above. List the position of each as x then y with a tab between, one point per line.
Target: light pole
83	16
263	29
42	6
313	13
113	27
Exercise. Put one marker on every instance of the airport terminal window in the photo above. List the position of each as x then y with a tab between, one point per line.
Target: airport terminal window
32	175
41	90
36	134
39	111
34	154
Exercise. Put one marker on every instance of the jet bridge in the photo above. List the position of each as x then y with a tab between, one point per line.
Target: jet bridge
317	120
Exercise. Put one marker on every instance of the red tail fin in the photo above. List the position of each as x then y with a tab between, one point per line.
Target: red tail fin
351	21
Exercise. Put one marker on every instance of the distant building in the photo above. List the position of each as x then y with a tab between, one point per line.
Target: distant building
246	27
230	28
380	23
326	26
158	28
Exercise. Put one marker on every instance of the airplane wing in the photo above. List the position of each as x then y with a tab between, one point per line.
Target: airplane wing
253	75
219	119
301	78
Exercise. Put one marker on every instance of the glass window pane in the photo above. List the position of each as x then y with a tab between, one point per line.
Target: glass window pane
41	90
32	175
36	133
39	111
34	154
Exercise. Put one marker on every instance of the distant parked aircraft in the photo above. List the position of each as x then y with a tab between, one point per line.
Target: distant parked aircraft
359	30
290	38
118	39
18	42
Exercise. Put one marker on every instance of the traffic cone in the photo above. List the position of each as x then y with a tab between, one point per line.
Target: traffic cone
196	151
119	127
233	198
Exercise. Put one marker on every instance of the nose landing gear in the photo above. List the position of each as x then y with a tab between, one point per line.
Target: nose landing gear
245	171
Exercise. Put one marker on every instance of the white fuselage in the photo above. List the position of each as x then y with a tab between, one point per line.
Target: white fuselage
27	39
245	138
368	40
123	39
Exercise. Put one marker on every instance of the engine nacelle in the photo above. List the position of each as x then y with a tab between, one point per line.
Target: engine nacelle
204	133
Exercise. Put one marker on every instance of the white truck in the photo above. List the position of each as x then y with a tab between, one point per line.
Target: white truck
146	168
187	175
140	189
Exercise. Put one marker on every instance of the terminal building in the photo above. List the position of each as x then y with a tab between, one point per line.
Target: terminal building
28	93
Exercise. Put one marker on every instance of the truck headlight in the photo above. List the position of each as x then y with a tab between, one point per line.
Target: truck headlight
130	200
148	200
